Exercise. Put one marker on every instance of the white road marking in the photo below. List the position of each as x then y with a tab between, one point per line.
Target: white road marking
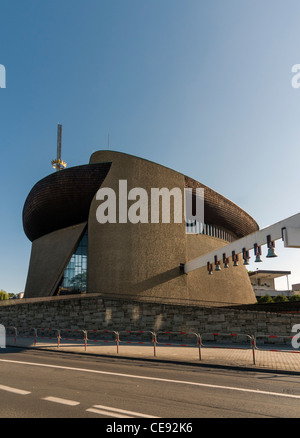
107	413
155	379
61	400
15	390
115	412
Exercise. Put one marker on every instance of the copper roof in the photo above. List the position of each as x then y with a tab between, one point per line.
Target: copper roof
62	199
222	212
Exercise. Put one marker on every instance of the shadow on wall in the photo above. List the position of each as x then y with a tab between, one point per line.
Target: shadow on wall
157	280
134	317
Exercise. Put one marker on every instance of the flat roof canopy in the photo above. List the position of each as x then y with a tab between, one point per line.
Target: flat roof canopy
268	274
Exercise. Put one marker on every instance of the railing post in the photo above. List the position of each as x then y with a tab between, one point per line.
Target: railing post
85	339
35	336
154	342
117	341
199	340
58	338
253	347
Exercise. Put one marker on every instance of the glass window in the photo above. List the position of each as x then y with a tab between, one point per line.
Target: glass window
207	229
75	276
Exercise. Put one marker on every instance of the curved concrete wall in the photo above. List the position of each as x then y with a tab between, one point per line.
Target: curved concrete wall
231	285
144	259
141	258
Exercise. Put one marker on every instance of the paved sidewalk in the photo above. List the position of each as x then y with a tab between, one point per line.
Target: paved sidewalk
277	361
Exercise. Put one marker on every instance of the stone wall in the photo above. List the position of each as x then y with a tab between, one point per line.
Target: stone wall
93	311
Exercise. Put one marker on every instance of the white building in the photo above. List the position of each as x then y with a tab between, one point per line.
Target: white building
263	283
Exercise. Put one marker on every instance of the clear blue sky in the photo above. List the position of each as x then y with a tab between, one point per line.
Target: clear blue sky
203	87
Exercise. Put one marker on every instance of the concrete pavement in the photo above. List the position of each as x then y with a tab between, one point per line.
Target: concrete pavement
274	358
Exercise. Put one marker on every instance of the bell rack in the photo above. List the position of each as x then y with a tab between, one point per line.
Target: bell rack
288	230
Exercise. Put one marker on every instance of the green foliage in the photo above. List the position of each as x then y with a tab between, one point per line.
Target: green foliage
79	281
294	298
280	298
3	295
265	299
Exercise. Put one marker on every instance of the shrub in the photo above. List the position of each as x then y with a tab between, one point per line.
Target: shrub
294	298
3	295
280	299
265	299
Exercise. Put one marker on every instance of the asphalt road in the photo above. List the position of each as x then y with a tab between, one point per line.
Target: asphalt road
38	384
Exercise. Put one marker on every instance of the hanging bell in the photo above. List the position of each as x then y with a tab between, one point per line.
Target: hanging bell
271	253
234	258
225	261
246	256
271	247
209	268
217	263
258	259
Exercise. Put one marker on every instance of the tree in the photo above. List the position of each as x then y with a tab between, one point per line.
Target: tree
3	295
79	281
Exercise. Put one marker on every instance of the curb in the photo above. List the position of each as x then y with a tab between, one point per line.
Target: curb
167	361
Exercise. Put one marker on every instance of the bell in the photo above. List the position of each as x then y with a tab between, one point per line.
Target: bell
225	261
258	259
235	263
218	268
209	268
271	247
271	253
246	262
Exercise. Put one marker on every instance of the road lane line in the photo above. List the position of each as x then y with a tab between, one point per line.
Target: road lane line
122	411
61	401
107	413
14	390
155	379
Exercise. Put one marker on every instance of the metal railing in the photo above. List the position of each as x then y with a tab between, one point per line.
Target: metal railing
236	336
152	338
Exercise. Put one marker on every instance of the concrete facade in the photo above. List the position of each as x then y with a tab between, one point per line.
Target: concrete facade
136	260
49	257
142	258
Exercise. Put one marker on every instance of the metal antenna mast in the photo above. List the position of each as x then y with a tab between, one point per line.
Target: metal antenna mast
59	132
58	163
